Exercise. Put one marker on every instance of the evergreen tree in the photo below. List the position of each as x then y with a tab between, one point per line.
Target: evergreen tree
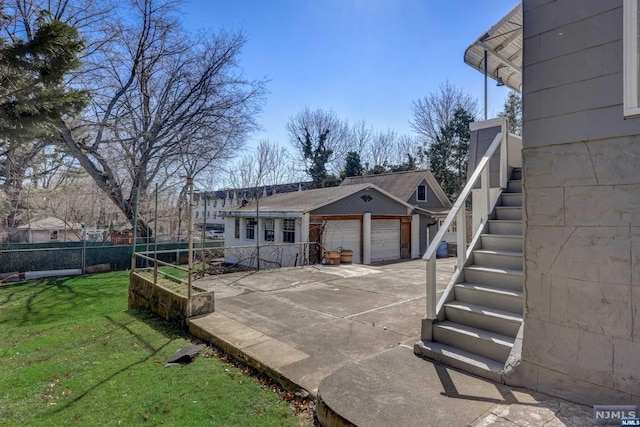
33	93
318	155
353	165
448	155
377	170
408	165
34	66
513	112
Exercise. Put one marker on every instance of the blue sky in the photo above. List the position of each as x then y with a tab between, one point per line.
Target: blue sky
364	59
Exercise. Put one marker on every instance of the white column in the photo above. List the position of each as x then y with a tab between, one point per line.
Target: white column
415	236
277	230
366	238
304	234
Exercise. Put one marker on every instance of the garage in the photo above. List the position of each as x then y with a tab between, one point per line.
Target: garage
344	234
362	218
385	239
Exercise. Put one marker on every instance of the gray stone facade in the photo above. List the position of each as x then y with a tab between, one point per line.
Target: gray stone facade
581	170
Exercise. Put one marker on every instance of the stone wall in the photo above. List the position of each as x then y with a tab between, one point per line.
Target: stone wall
143	294
581	169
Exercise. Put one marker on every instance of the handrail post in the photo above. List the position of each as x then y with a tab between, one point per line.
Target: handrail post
461	220
485	191
504	156
431	288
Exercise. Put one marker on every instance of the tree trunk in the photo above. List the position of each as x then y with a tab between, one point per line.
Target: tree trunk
102	179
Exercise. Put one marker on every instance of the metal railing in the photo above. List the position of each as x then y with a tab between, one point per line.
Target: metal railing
458	213
212	261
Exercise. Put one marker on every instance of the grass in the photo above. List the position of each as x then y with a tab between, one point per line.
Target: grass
72	355
175	272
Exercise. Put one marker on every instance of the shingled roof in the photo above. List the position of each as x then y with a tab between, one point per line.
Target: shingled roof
305	201
401	184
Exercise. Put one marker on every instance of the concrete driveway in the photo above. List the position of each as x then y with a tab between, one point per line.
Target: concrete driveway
305	323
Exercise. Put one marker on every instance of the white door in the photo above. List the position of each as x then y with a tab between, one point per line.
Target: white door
385	239
343	234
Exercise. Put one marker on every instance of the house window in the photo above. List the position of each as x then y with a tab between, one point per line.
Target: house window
289	230
236	230
268	225
452	227
422	193
250	229
631	67
54	234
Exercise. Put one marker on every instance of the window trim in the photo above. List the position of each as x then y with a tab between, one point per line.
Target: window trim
236	228
287	231
269	234
631	71
418	193
250	224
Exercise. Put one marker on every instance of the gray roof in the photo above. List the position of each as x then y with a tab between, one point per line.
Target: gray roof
305	201
51	223
249	192
401	184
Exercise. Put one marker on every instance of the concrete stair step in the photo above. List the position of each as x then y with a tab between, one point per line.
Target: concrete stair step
508	213
501	226
505	278
487	318
460	359
477	341
501	242
514	186
502	299
511	199
498	259
516	173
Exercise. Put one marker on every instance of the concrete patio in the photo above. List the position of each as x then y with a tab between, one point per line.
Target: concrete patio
345	334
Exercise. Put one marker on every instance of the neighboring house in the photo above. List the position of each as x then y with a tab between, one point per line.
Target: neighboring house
579	294
420	189
374	224
51	230
208	205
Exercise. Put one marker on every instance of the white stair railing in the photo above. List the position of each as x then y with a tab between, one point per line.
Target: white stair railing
459	214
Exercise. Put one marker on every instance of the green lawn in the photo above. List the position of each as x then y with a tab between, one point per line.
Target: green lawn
71	354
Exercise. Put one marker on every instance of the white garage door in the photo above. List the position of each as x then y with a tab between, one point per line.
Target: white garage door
343	234
385	239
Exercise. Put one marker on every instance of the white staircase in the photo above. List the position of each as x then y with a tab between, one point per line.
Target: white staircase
482	314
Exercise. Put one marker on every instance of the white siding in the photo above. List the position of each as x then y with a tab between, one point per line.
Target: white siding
344	234
385	240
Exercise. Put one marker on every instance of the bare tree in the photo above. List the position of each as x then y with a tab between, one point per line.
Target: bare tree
164	102
282	168
407	145
381	150
16	159
436	110
361	137
268	164
322	140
